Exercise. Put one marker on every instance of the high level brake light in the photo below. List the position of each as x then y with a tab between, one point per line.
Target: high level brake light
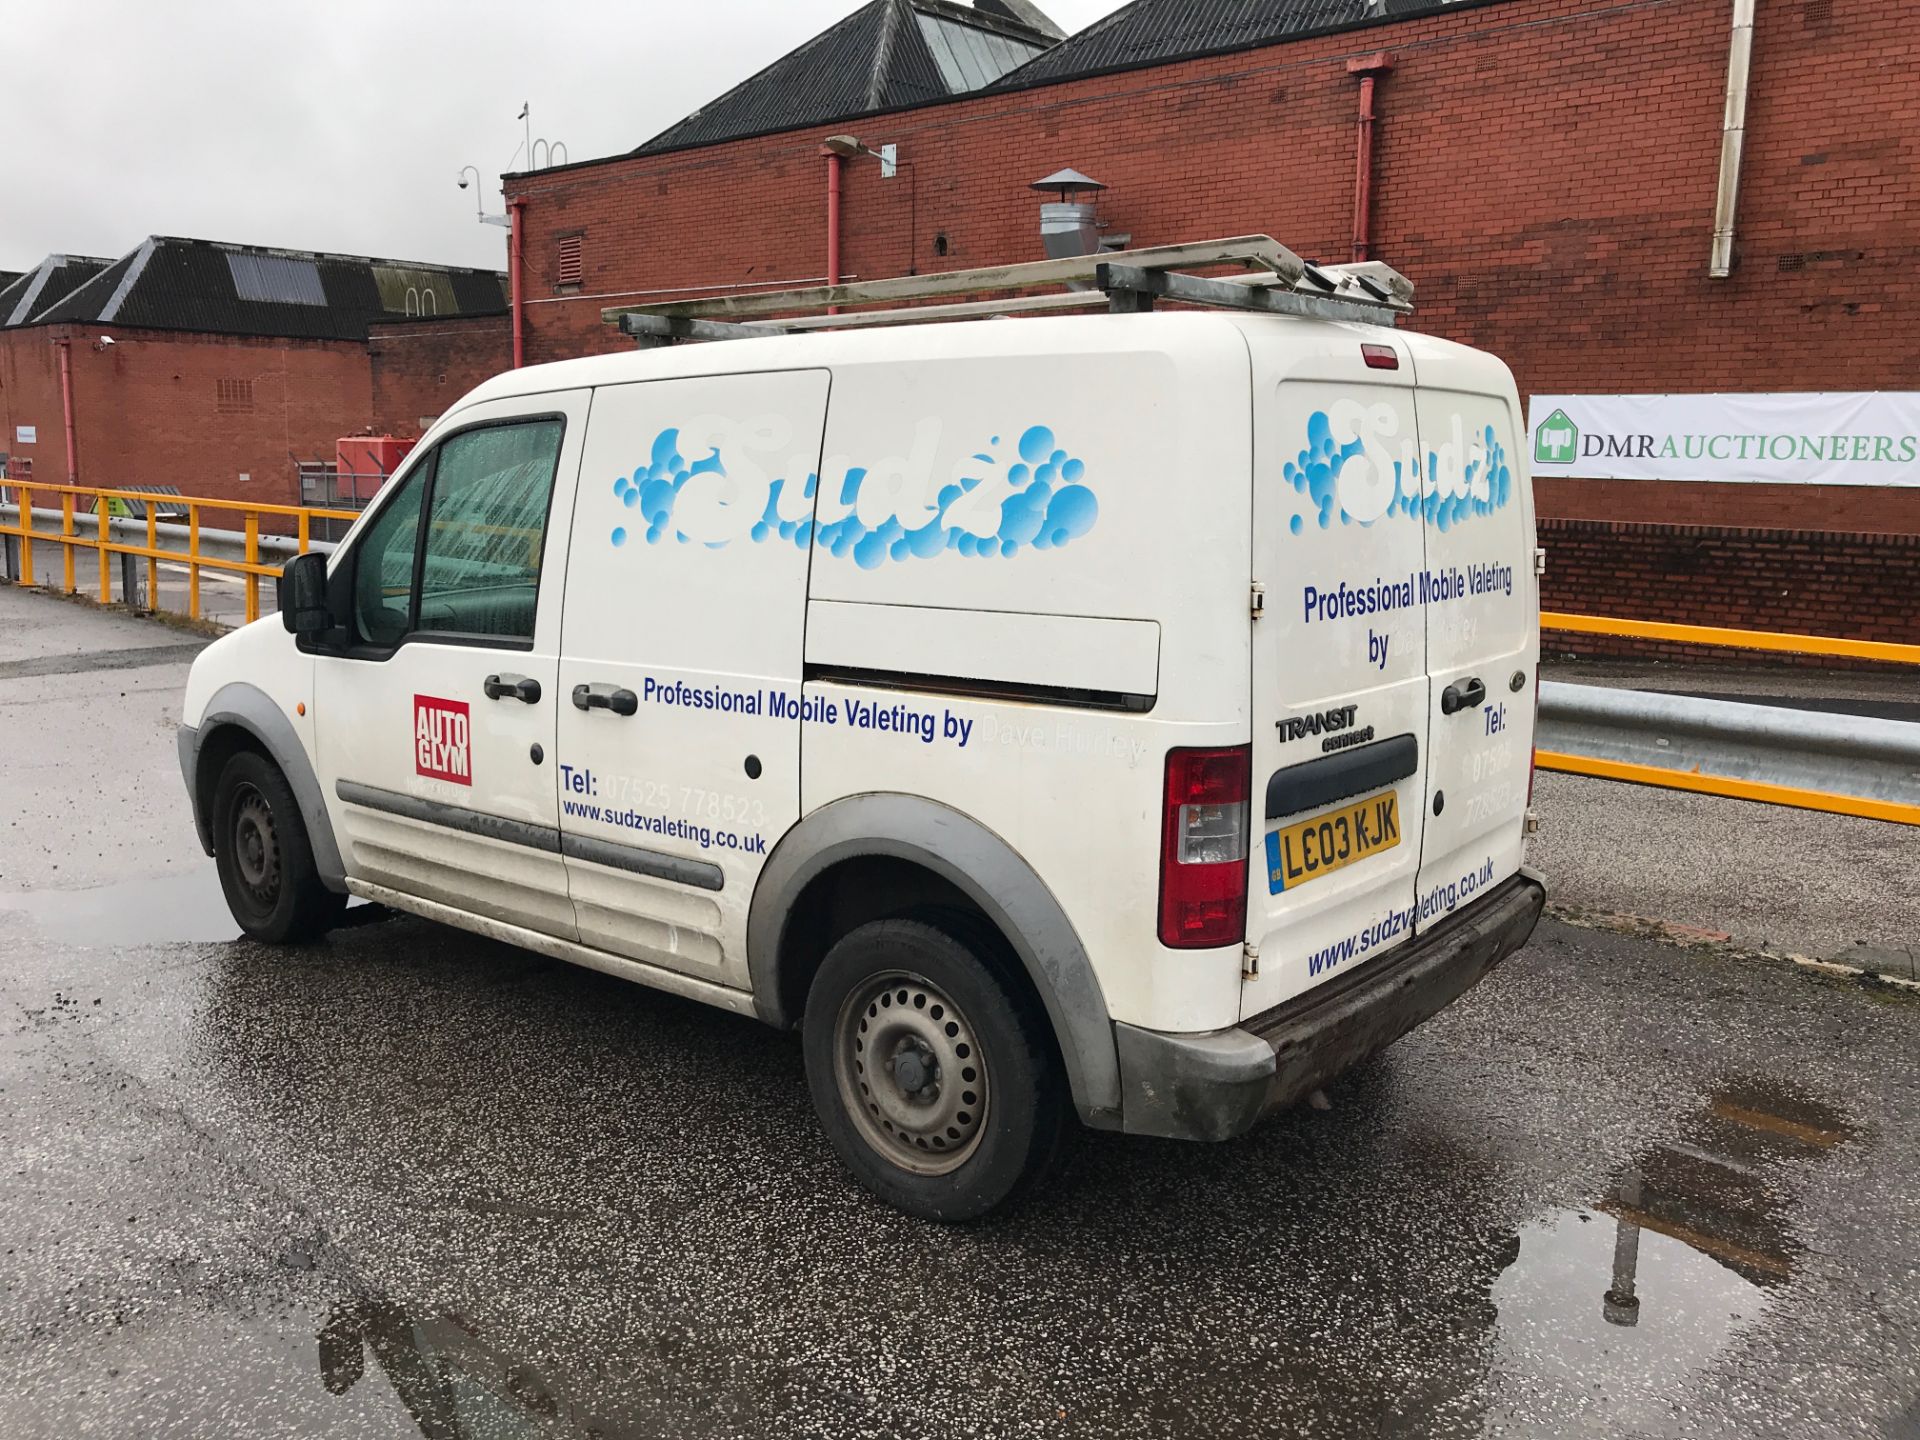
1203	848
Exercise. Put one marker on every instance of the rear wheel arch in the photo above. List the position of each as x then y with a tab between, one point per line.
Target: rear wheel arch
868	857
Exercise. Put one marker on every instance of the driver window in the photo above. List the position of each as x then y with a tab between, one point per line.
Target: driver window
486	530
383	565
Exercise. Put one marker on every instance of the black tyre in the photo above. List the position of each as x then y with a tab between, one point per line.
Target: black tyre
935	1081
265	859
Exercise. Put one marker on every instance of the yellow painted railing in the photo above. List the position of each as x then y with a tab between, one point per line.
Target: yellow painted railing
76	500
1774	640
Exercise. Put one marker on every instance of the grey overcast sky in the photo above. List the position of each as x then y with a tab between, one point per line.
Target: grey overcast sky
339	124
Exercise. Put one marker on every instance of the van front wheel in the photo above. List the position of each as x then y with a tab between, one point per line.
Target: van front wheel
932	1079
264	857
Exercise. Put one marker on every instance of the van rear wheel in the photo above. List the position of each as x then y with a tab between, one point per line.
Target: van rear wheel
935	1084
265	860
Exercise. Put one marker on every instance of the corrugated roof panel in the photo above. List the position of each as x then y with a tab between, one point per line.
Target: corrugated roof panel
1151	32
277	279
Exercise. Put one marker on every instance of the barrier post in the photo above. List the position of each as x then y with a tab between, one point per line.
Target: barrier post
101	535
153	563
253	558
193	562
66	546
26	536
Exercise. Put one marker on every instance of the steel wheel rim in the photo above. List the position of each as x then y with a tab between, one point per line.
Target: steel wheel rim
911	1073
256	848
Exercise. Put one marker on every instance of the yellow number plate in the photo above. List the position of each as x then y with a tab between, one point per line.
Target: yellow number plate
1312	848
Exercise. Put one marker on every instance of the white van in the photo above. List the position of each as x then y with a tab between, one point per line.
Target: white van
1126	716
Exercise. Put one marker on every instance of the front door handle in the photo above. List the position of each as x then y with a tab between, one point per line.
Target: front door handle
523	688
605	697
1462	696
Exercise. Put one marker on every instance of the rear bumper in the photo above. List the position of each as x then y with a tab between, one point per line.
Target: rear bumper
1216	1085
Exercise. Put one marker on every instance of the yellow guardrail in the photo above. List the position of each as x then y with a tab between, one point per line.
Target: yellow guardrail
1775	640
104	545
1697	781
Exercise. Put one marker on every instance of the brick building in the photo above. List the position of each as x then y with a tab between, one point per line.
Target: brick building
214	369
1545	172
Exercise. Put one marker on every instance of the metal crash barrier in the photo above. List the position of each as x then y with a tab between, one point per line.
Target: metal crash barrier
86	519
1777	755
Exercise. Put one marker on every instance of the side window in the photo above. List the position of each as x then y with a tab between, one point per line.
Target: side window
486	529
383	565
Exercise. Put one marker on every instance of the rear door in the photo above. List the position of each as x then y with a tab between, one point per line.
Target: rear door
1339	658
1482	623
681	654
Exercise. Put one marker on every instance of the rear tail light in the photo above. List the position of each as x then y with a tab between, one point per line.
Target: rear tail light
1203	848
1380	357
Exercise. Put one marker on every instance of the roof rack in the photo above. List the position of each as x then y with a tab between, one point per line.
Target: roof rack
1272	280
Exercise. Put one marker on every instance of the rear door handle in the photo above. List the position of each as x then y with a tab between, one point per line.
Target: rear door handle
523	688
1462	696
605	697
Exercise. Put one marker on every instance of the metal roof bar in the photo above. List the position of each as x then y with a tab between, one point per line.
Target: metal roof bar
1279	282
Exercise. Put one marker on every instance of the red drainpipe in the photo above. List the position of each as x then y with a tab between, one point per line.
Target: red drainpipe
66	408
834	161
514	207
1369	68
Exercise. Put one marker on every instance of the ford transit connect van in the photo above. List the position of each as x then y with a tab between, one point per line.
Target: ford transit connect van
1119	717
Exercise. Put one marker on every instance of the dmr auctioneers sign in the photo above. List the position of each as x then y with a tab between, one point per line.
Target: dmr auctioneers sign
1796	439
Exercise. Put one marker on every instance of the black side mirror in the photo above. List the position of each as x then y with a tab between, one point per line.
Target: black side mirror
303	595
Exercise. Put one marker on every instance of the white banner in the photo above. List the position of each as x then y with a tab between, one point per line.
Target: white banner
1801	438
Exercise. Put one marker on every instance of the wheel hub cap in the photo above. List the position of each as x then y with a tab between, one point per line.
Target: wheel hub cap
910	1070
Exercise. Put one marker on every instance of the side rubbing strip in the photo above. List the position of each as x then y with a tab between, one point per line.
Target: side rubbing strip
1351	772
412	807
703	874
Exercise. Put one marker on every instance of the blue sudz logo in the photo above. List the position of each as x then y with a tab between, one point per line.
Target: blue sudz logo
1033	500
1356	466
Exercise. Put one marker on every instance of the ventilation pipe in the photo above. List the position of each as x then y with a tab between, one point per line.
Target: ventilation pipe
1369	68
66	411
835	162
1733	136
1067	225
514	210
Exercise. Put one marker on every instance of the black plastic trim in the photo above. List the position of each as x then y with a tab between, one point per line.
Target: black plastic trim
1314	783
1070	697
701	874
453	817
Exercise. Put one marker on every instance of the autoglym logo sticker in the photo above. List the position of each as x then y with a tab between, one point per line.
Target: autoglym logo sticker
1557	441
442	736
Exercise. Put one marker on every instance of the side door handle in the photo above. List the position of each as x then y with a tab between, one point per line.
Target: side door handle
605	697
1463	695
523	688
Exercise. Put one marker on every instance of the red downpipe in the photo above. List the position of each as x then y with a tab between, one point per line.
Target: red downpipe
1369	68
834	161
514	207
66	408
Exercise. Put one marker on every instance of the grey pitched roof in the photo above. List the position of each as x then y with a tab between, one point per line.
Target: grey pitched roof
1157	32
886	55
212	287
7	277
43	286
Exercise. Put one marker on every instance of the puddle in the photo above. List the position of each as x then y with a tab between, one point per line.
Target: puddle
1615	1306
185	908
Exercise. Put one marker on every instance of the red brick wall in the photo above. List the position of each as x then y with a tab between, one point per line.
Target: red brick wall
149	409
1545	173
1804	582
421	367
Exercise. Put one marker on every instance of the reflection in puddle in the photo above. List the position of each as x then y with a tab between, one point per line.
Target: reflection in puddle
163	909
1611	1309
185	908
452	1383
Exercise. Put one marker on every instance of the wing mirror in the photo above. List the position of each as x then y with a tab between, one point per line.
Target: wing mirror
303	596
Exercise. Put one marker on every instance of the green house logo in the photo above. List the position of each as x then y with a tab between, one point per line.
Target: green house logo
1557	441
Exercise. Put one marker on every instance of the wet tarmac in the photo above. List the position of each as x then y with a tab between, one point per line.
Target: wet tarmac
412	1183
409	1182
